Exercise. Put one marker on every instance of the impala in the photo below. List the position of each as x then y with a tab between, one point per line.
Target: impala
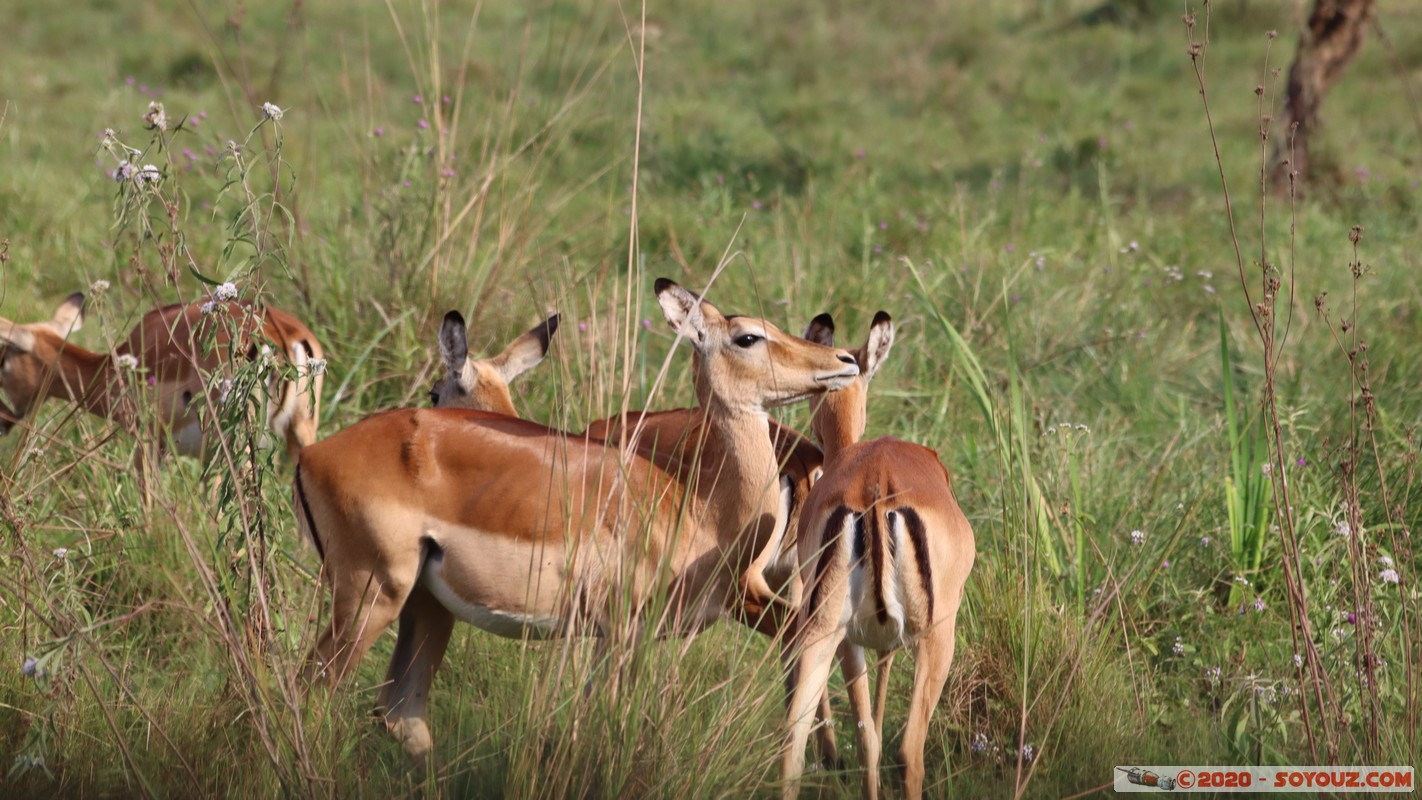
524	531
483	384
884	554
172	351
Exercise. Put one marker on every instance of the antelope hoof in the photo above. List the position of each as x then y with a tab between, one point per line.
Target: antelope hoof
414	736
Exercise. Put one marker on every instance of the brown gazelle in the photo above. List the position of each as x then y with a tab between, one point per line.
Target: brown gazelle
884	554
525	531
172	352
483	384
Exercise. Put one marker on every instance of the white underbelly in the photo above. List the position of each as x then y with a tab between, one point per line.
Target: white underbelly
510	624
506	586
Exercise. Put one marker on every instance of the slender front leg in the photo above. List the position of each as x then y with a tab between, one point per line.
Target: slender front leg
425	627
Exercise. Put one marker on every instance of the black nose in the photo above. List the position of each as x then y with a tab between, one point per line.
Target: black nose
847	358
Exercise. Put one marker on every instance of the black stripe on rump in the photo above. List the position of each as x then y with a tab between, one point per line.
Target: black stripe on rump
876	555
310	520
828	545
919	534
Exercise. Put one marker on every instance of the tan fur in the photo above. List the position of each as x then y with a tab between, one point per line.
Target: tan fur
507	520
885	482
173	366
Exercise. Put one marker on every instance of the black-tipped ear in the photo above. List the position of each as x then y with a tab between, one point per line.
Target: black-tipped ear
526	351
881	340
821	330
69	317
683	311
454	342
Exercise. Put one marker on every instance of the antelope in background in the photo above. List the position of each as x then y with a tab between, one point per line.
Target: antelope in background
525	531
178	347
483	384
884	555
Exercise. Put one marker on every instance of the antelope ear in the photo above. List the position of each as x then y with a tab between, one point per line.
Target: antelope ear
454	342
881	340
12	335
69	317
821	330
685	311
526	351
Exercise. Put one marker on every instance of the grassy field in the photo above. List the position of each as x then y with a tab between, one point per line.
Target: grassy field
1029	187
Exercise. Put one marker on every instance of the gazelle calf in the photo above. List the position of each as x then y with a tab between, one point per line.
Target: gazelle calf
178	347
884	554
526	531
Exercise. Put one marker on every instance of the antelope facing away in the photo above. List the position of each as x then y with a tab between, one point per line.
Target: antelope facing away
524	531
483	384
178	347
884	554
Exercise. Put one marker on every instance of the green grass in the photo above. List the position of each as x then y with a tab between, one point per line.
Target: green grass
1045	168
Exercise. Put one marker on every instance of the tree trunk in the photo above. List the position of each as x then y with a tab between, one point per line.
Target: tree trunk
1326	46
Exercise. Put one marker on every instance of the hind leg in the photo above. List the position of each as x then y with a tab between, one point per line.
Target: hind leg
425	627
856	680
933	657
363	605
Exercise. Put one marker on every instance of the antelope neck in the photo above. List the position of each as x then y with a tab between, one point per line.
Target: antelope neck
85	378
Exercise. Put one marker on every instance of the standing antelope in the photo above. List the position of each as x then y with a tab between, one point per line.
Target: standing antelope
884	554
178	347
524	531
678	433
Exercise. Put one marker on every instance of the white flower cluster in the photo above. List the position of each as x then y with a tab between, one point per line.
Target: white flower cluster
272	112
156	118
225	292
316	366
1137	538
148	175
126	361
141	176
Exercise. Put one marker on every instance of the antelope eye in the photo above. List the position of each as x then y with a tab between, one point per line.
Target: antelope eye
747	339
